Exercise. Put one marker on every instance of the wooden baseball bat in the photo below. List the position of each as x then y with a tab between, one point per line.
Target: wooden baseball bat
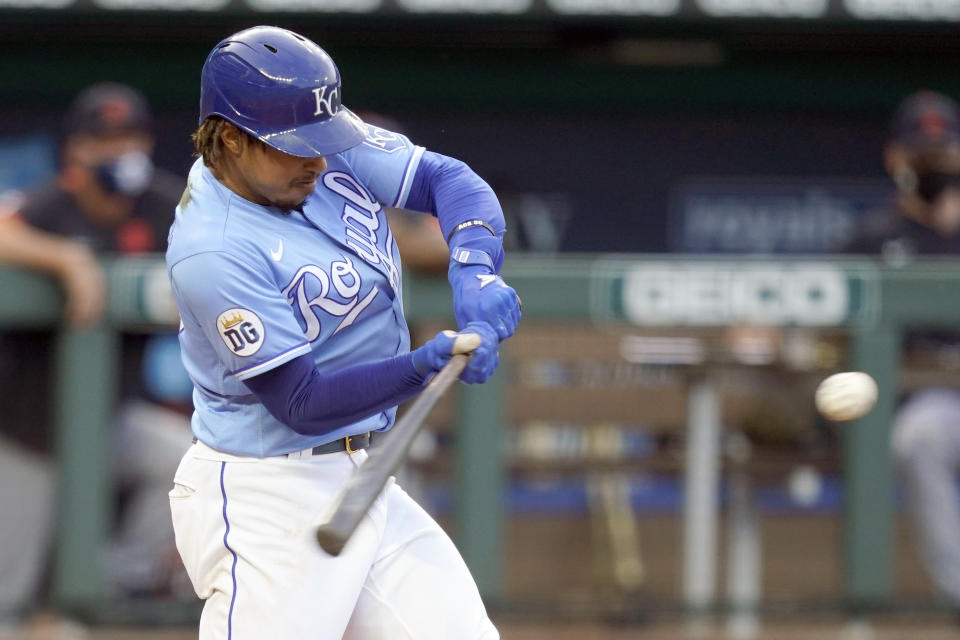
385	457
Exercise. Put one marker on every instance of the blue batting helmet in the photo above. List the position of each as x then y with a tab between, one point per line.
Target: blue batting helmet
281	88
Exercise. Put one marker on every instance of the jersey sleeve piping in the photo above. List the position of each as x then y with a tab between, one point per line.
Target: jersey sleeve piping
276	361
410	171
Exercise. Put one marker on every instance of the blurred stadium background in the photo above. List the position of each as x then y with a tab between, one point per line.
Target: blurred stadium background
631	473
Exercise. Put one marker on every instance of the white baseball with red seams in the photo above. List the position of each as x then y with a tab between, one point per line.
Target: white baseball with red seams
846	396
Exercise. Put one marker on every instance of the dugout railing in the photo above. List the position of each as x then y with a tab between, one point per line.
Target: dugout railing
874	303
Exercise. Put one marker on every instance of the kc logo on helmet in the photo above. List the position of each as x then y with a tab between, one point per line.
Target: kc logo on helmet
328	104
241	330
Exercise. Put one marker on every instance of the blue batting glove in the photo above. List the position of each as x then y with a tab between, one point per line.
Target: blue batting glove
480	295
477	339
485	358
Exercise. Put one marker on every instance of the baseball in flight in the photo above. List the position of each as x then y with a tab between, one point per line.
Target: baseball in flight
846	396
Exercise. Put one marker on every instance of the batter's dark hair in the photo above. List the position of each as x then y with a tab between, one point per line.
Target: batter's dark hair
208	143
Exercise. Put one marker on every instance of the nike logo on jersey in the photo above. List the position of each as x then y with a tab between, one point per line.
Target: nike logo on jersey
278	254
486	279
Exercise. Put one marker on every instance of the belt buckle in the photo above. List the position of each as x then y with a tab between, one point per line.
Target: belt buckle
350	450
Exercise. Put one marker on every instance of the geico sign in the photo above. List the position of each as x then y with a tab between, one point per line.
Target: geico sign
720	294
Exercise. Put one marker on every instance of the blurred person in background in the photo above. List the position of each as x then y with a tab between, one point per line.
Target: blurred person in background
106	199
923	219
922	157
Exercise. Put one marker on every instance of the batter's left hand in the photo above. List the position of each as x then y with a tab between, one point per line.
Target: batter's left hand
477	339
485	358
482	296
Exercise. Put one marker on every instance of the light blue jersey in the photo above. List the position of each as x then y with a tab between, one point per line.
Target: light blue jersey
257	287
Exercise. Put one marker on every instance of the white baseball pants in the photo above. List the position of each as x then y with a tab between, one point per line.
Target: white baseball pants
245	530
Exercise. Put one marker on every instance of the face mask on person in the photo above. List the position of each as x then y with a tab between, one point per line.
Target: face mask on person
128	174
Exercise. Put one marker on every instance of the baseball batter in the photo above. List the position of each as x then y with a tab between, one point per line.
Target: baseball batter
288	283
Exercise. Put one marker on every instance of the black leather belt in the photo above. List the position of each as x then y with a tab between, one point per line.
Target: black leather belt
350	444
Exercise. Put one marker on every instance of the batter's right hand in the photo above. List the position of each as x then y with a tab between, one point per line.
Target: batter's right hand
477	339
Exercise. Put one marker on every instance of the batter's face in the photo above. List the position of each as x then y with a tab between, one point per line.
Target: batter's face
263	175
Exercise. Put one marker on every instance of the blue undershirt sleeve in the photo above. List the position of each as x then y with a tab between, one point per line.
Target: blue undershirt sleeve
451	190
315	403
